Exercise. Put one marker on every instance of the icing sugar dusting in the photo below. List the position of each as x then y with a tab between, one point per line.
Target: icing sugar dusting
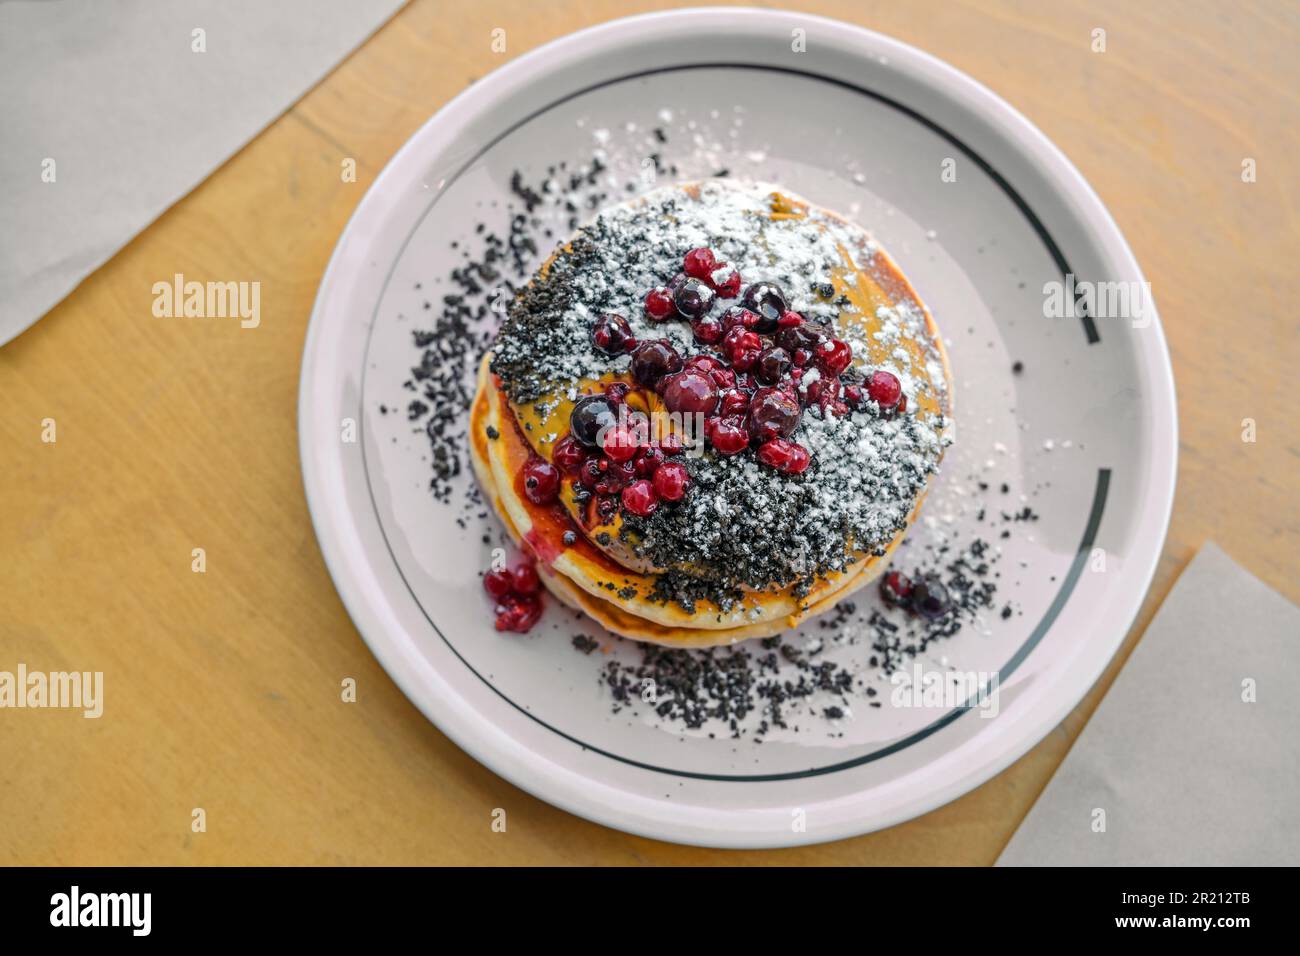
742	525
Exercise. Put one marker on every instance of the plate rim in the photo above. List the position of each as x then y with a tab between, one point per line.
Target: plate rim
945	81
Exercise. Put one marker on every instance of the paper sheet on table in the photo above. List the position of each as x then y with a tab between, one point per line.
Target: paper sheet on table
1187	770
133	118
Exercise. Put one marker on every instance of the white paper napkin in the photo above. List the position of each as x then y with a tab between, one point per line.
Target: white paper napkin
1193	756
109	114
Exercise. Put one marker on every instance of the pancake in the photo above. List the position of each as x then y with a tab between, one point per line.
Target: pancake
668	575
542	534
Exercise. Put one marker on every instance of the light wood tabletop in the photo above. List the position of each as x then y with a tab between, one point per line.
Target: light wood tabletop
222	688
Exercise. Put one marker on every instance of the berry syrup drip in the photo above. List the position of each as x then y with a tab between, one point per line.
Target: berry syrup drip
541	483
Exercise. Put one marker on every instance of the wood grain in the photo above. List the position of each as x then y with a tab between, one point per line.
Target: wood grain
223	687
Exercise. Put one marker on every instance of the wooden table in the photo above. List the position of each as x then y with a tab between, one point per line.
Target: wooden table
223	687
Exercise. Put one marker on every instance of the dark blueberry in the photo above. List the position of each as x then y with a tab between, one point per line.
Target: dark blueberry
772	414
651	361
806	337
611	334
772	364
767	301
930	599
694	298
589	416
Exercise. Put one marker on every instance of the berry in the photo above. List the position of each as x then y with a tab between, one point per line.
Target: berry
727	435
611	334
833	356
723	377
671	444
707	330
789	320
659	305
767	301
930	599
518	613
648	460
541	481
699	264
498	582
524	578
691	392
741	348
884	389
854	397
606	477
592	472
616	392
801	337
896	588
694	298
902	405
736	316
605	508
727	284
734	402
568	455
590	415
653	360
640	499
772	414
702	363
772	364
824	391
639	422
784	456
618	477
621	443
670	481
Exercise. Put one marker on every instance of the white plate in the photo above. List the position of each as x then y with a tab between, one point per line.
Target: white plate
861	124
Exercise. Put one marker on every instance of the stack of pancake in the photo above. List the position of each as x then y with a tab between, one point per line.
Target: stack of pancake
750	550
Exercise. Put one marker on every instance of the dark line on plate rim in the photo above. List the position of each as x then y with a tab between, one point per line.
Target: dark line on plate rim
1071	578
1058	257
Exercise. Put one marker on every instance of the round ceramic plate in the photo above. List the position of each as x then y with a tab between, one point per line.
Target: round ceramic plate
1064	461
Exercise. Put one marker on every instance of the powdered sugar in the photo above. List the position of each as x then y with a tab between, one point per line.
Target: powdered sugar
742	524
